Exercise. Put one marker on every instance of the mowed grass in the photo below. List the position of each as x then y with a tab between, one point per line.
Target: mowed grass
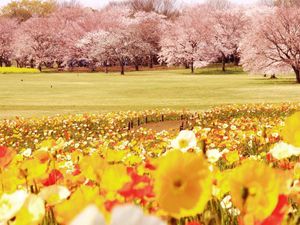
33	95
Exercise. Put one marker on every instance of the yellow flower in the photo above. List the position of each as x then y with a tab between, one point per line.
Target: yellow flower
10	180
54	194
81	198
255	188
182	184
232	157
92	167
32	212
114	177
291	131
33	169
297	171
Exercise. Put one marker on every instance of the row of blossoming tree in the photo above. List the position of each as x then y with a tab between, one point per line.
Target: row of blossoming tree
264	38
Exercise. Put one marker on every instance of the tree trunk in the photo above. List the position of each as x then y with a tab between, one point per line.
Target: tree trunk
187	66
122	67
136	67
192	67
31	64
236	60
151	61
223	62
297	72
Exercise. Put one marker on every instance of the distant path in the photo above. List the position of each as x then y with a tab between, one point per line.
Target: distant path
166	125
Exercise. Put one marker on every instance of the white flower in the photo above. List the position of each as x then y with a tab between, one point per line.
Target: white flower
132	215
234	212
225	126
185	141
121	215
283	151
213	155
275	135
27	152
233	127
10	204
226	202
54	194
89	216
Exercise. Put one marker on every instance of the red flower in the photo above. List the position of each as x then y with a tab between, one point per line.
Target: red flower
53	178
279	212
140	187
77	170
193	223
149	166
109	205
6	156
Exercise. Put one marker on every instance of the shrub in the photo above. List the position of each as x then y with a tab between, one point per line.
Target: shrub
7	70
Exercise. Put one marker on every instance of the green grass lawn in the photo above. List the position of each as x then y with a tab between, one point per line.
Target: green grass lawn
53	93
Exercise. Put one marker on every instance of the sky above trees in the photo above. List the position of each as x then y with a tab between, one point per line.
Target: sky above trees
100	3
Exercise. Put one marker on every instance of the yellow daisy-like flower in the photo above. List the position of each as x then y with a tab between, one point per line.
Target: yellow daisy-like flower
291	131
114	177
182	184
255	188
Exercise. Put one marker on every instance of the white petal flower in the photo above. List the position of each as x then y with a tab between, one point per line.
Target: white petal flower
54	194
283	151
213	155
151	220
27	152
184	141
132	215
10	204
89	216
121	215
126	215
226	202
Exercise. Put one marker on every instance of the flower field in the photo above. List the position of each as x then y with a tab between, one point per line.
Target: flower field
230	165
16	70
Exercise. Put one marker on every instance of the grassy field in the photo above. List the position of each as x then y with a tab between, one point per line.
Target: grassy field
53	93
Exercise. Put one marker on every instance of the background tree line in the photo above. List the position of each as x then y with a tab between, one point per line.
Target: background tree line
264	38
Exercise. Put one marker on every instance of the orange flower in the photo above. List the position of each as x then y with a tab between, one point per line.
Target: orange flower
6	156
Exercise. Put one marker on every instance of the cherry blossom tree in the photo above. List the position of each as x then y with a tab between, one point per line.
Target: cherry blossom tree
114	46
185	41
37	38
129	38
147	28
7	29
72	23
273	45
228	28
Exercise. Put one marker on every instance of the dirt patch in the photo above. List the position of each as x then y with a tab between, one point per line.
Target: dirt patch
166	125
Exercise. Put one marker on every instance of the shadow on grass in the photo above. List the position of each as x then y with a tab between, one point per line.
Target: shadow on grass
279	81
220	72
